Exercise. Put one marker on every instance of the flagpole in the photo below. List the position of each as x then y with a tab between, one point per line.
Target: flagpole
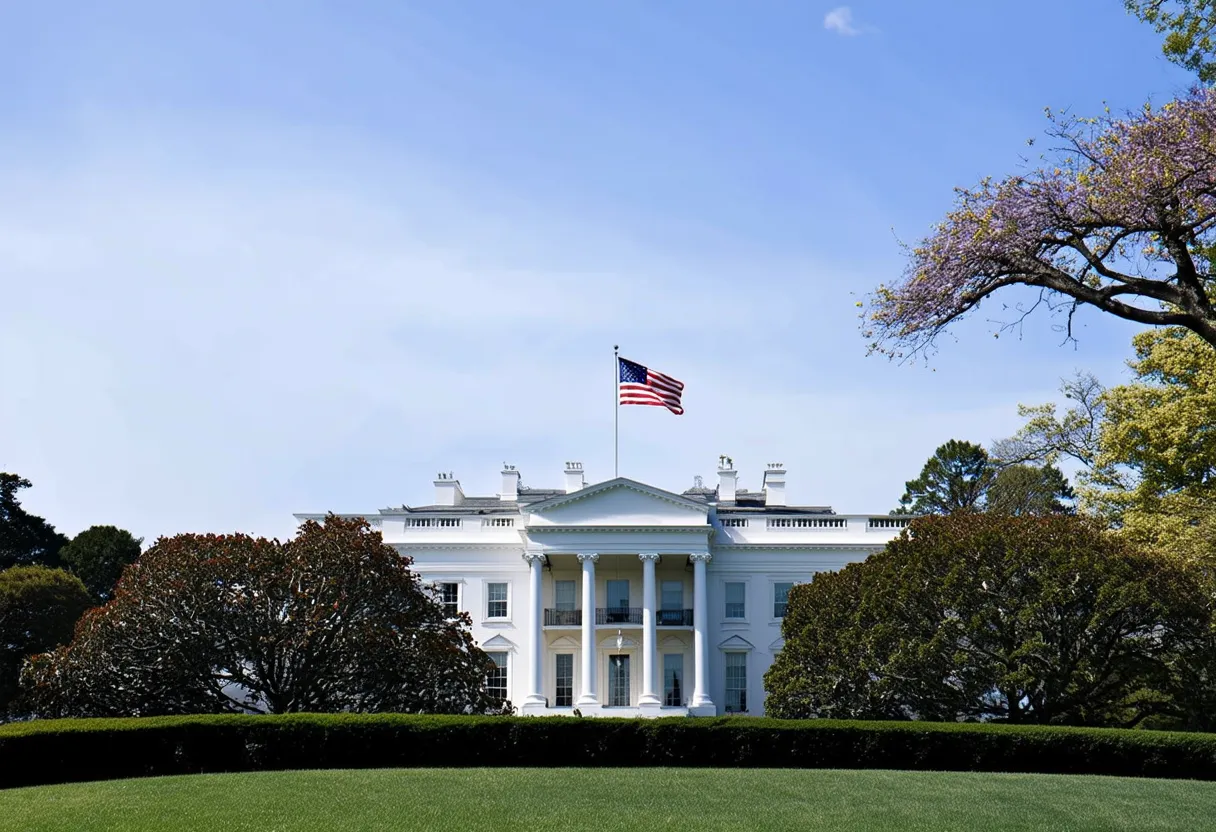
616	413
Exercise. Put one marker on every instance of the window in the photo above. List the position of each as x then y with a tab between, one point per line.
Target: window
781	596
449	599
563	595
673	680
736	605
736	683
672	595
496	600
496	682
618	594
565	680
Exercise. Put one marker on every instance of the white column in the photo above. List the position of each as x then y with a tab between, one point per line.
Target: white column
649	695
536	653
588	559
700	617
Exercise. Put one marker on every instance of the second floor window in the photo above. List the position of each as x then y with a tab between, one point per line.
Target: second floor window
449	599
672	595
781	597
736	604
496	600
563	595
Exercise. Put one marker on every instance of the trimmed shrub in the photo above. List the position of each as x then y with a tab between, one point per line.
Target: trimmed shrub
53	751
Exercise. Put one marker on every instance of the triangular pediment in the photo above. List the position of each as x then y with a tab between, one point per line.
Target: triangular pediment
736	643
618	502
498	643
564	643
672	643
777	645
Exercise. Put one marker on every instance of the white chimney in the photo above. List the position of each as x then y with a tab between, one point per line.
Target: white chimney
510	484
728	479
447	490
574	477
774	485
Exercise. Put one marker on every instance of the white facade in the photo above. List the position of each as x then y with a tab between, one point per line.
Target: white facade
686	589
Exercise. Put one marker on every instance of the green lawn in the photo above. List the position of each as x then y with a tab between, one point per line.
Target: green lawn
607	800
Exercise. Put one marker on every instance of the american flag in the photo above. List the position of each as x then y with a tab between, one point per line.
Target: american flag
640	385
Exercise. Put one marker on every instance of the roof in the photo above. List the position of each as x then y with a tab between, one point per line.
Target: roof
484	505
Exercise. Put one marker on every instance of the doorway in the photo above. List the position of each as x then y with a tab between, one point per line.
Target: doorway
618	681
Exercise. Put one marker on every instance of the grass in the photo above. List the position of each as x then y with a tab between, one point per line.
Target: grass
608	800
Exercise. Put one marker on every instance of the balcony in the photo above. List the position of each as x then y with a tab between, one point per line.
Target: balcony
674	618
563	618
618	615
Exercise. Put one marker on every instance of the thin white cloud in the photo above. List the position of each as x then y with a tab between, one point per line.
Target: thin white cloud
840	21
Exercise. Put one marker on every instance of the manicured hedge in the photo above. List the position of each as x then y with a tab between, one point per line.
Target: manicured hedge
52	751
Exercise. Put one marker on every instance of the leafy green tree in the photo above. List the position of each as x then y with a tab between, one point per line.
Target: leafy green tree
25	538
1188	26
331	620
38	609
98	555
987	617
1028	489
955	478
1155	472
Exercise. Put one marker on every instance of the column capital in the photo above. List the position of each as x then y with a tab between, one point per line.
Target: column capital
583	557
533	557
648	556
700	557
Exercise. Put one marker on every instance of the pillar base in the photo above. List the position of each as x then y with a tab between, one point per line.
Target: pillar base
649	699
585	700
533	708
534	699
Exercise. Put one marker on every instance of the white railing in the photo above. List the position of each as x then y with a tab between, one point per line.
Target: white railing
497	522
808	523
432	523
889	522
734	522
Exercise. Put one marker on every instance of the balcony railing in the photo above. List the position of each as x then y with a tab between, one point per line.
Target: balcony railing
674	618
618	615
563	618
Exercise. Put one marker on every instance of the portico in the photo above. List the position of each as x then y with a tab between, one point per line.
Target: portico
605	592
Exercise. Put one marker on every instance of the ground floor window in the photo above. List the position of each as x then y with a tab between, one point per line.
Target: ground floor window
673	680
565	680
496	681
736	683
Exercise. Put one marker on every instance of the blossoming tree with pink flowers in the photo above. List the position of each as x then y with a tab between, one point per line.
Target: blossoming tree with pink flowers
1120	216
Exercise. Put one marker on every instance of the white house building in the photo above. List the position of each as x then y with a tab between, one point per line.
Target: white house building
620	598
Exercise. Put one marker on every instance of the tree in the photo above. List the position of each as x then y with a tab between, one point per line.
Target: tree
1155	472
98	555
983	617
1188	26
38	609
1029	490
1121	218
24	538
332	620
955	478
1046	437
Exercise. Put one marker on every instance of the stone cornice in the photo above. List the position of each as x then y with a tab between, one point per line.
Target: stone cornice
706	530
768	547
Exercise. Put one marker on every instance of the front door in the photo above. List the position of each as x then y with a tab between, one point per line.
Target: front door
618	681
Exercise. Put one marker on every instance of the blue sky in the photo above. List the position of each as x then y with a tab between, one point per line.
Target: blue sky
259	258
